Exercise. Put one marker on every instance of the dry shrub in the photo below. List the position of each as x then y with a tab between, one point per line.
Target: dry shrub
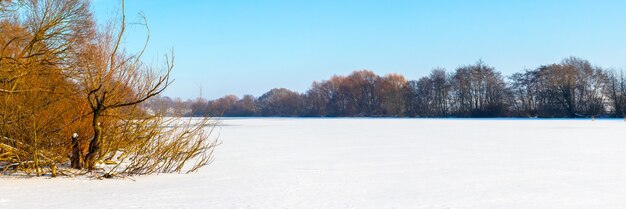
160	145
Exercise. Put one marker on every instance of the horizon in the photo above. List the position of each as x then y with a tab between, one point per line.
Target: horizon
250	47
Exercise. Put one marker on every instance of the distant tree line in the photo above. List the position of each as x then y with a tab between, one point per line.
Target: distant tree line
571	88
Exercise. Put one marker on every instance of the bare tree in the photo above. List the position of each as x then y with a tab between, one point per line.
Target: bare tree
112	80
392	89
39	50
479	91
280	102
616	93
60	75
441	91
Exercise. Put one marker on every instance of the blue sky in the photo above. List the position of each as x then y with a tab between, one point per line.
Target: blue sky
250	46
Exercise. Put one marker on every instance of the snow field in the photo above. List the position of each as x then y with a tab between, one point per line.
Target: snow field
372	163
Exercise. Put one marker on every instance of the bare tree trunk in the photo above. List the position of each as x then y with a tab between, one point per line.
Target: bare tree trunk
94	144
53	169
77	154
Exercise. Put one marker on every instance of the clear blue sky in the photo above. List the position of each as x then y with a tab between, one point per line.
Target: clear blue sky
250	46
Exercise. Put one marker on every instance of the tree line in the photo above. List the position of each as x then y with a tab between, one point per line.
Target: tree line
568	89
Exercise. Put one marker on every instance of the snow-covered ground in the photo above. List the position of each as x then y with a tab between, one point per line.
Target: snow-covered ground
372	163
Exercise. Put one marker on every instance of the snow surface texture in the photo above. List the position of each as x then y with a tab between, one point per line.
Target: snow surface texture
372	163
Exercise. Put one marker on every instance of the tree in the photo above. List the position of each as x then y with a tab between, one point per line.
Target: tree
392	89
341	102
573	87
616	93
526	93
479	91
318	99
38	55
61	75
418	97
224	106
112	80
362	89
280	102
441	91
245	107
428	96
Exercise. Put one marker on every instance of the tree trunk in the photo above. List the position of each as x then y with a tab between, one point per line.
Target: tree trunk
94	144
53	169
77	154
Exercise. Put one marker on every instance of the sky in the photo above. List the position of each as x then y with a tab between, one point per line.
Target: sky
242	47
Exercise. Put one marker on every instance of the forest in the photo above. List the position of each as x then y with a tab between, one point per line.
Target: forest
568	89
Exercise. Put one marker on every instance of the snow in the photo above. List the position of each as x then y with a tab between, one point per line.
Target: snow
372	163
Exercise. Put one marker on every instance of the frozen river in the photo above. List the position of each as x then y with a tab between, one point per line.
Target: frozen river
372	163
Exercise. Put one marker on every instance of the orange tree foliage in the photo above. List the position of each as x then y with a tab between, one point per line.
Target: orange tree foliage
61	75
